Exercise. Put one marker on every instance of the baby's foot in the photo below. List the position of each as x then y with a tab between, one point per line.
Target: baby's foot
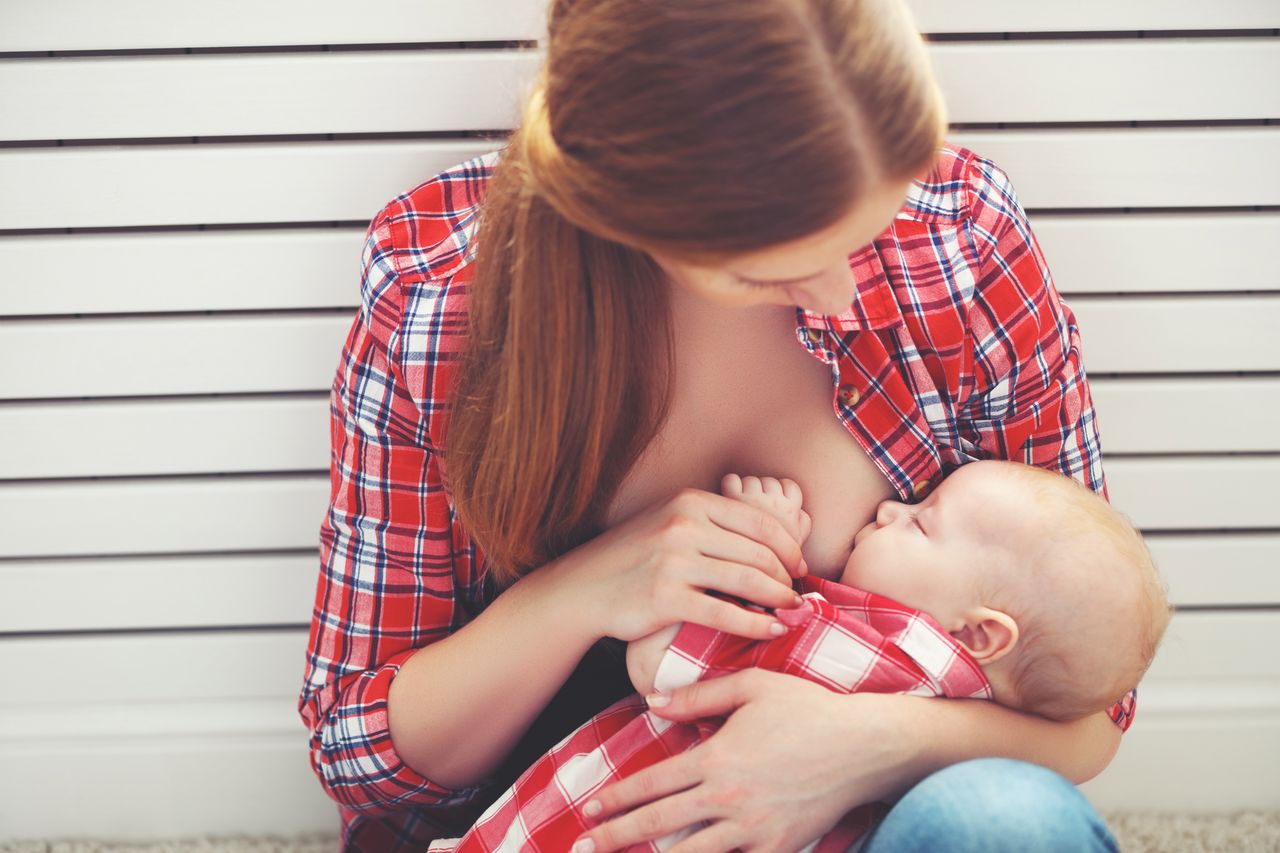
779	498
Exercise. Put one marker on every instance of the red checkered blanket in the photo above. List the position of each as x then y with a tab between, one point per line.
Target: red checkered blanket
843	638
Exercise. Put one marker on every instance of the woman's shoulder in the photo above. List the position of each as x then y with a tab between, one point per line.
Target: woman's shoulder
426	233
413	296
962	189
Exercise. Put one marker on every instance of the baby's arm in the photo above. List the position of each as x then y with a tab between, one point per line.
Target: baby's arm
780	498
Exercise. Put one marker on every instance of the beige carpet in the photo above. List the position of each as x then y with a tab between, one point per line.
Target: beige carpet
1242	832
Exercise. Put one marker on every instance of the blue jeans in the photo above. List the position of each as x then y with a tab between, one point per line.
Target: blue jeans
992	805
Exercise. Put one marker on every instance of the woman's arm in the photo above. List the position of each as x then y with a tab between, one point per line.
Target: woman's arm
959	729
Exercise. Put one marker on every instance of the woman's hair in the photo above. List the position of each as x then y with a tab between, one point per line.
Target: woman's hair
702	129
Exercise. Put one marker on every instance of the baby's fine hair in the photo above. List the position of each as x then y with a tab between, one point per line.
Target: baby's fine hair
1096	579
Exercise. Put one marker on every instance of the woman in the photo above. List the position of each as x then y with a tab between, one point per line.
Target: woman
720	223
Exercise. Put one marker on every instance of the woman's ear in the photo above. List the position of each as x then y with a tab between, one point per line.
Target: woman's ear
987	634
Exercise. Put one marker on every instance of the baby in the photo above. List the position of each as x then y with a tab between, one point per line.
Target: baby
1008	582
1050	589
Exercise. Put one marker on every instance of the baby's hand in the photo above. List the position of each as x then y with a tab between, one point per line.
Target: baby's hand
779	498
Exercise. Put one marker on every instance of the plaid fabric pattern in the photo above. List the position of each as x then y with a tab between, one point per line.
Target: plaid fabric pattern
956	347
846	639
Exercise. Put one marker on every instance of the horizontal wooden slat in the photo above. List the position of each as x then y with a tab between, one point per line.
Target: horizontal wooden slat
209	184
1002	16
1218	569
85	25
1171	415
351	181
1197	493
283	512
104	357
1179	333
104	438
128	24
157	592
261	94
1115	80
1146	253
118	669
1135	168
105	593
165	787
184	271
182	355
168	516
141	437
453	90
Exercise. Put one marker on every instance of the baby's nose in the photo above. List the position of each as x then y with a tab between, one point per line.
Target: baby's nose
888	512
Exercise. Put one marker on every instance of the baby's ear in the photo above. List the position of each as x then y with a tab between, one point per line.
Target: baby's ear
987	634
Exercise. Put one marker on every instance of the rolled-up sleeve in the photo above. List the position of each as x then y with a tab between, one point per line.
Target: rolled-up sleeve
1031	400
389	582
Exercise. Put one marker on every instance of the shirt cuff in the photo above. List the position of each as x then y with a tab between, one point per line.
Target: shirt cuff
354	757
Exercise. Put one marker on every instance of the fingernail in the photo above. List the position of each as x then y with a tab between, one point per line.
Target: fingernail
584	845
657	699
777	629
592	808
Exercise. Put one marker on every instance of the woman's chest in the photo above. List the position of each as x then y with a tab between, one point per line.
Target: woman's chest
758	403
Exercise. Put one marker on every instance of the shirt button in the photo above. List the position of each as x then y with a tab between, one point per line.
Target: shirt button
849	396
920	489
813	336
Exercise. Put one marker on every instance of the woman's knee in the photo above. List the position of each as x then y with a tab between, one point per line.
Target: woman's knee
992	804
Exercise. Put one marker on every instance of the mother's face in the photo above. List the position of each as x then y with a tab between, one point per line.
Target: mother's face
811	272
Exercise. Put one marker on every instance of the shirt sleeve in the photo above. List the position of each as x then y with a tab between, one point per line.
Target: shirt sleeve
388	583
1030	401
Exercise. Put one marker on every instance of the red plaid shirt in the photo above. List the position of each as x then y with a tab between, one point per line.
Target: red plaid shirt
846	639
955	348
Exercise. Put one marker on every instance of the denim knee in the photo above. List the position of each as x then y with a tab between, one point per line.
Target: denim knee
992	805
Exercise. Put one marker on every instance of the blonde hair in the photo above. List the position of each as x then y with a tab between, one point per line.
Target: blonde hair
1095	580
696	128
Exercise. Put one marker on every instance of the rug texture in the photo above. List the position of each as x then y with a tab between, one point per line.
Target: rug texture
1241	832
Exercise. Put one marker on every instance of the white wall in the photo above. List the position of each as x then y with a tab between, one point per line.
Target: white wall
183	189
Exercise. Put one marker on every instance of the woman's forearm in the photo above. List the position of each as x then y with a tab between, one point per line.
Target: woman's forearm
947	731
459	706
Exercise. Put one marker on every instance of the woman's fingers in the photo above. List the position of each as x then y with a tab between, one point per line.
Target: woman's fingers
757	525
719	836
733	578
732	618
655	812
720	544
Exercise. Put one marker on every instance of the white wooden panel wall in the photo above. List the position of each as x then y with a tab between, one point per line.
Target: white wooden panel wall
185	194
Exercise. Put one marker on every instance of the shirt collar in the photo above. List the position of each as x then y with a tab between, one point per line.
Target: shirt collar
941	657
874	304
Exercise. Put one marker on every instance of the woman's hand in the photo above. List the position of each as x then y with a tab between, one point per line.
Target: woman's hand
790	761
652	570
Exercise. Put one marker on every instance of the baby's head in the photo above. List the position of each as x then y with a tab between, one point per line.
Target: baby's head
1051	590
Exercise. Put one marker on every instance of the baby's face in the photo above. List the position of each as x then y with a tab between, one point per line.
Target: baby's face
929	555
